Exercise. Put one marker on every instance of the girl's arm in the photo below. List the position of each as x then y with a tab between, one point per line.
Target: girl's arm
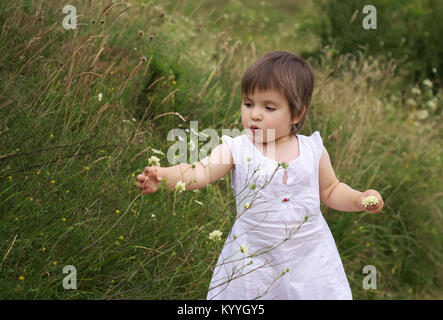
338	195
195	176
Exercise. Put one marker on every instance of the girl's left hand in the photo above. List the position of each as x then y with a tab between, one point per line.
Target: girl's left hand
373	208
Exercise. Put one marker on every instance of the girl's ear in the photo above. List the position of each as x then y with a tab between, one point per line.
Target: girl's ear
297	119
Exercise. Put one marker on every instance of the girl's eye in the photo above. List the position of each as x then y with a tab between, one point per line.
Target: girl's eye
270	109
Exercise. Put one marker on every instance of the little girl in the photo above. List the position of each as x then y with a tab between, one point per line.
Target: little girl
280	246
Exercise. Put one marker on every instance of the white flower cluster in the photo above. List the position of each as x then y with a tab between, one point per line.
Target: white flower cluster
180	186
154	161
370	201
215	235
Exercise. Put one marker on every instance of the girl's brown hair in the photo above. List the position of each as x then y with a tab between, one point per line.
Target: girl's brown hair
287	74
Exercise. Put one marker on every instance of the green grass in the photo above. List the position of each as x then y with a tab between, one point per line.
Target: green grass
68	161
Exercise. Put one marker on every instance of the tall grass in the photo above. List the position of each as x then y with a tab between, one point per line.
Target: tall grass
69	159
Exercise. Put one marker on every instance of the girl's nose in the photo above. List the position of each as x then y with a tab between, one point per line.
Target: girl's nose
255	114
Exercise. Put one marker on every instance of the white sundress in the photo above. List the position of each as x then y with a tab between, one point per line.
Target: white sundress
280	247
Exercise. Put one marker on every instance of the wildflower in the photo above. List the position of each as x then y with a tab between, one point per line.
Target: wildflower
38	172
180	186
117	211
432	104
86	168
54	263
154	161
427	83
198	202
43	249
422	114
21	278
434	70
10	178
243	248
215	235
121	237
152	215
100	96
285	200
52	181
368	244
51	136
416	91
411	102
370	201
174	82
63	219
140	32
247	205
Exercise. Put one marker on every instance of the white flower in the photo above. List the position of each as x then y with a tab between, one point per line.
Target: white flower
434	70
411	102
416	91
427	83
198	202
100	96
432	104
154	161
370	200
243	248
215	235
152	215
422	114
180	186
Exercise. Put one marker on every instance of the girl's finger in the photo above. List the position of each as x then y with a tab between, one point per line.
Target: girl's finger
148	170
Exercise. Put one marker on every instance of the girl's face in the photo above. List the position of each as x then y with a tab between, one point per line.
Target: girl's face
269	112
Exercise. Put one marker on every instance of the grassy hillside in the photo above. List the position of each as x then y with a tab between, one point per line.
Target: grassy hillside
82	111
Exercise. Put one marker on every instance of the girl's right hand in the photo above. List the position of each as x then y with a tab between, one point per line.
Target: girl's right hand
149	181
